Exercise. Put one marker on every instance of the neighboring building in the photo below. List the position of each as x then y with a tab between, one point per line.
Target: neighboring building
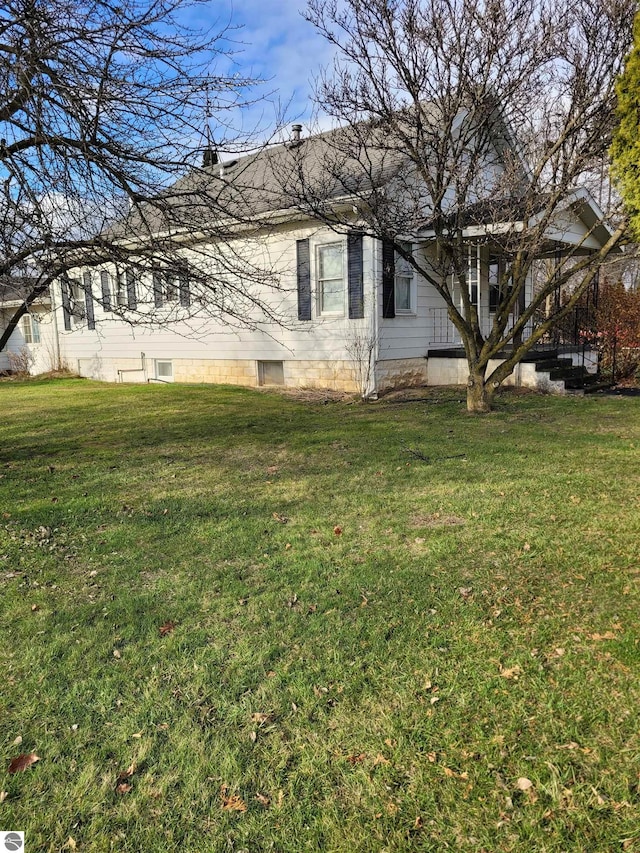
356	317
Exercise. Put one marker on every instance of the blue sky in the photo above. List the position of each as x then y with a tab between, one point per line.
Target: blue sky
273	41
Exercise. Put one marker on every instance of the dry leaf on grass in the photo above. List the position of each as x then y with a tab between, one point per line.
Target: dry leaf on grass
264	801
608	635
167	628
511	672
337	530
231	802
451	774
356	759
22	762
123	788
380	759
126	774
3	796
523	784
261	717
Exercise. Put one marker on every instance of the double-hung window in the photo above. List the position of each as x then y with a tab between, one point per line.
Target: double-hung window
170	290
404	283
121	290
473	273
30	329
77	298
330	278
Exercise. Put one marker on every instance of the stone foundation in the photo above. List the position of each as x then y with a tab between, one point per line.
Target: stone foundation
401	373
333	375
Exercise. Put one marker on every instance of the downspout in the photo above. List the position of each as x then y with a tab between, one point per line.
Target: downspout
56	340
372	390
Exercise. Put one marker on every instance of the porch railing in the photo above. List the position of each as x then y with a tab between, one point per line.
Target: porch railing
442	329
444	332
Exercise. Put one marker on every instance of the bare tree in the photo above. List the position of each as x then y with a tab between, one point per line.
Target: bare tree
465	131
102	125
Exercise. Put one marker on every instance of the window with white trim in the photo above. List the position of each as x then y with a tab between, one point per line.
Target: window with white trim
30	329
170	288
164	370
330	278
473	273
76	294
121	290
105	289
405	291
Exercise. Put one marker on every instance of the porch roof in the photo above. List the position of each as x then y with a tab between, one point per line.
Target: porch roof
577	222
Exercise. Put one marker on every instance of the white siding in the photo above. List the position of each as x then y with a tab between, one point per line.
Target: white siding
203	337
40	357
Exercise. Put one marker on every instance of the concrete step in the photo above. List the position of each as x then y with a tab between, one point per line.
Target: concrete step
552	364
566	373
588	382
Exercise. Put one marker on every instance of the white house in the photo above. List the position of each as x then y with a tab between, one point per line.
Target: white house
353	316
33	346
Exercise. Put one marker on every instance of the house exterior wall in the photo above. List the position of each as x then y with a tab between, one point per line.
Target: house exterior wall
38	357
325	351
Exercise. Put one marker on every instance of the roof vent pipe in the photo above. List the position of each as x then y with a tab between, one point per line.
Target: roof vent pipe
296	130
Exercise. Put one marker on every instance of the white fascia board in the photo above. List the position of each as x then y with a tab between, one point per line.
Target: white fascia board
275	217
16	303
484	230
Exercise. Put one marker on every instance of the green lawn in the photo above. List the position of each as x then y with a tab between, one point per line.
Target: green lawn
362	650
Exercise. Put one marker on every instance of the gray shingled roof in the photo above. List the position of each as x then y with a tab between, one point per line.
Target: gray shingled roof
330	165
16	289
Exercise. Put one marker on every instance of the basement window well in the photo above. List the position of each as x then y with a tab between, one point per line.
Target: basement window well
270	373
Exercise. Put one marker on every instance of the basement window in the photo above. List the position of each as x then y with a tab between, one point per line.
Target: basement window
164	370
270	373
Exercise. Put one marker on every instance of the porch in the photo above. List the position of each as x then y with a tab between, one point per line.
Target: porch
547	367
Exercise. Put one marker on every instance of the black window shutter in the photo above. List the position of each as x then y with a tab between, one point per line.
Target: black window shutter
304	279
183	284
157	288
356	284
105	284
88	300
132	299
388	279
66	304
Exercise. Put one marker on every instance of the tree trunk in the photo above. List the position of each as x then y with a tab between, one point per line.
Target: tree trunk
479	393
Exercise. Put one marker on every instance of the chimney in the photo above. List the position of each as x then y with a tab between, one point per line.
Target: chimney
296	130
209	157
